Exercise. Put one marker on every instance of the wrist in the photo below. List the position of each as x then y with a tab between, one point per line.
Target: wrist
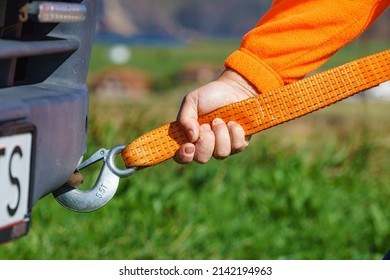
235	80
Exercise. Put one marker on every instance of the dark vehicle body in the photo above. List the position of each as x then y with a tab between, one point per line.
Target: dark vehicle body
43	94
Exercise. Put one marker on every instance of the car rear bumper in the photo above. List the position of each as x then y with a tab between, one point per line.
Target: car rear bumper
59	115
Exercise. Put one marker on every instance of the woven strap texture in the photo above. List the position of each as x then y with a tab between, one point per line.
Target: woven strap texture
268	109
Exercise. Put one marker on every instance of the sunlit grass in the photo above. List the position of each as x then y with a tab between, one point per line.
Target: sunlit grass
314	188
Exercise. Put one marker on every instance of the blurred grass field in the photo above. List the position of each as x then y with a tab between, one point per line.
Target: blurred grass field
314	188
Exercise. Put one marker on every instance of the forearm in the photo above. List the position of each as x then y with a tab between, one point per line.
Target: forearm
296	37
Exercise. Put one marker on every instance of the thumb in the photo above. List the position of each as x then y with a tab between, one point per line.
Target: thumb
188	117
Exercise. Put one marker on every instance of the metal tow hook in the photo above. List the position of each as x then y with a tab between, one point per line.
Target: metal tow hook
104	189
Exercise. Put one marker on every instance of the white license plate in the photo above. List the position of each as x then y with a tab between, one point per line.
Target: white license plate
15	165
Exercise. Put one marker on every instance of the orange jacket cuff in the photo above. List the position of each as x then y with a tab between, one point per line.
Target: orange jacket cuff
256	71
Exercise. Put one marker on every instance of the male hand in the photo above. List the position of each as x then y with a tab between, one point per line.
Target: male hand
220	139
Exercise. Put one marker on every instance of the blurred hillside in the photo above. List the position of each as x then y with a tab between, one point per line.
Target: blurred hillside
194	18
180	18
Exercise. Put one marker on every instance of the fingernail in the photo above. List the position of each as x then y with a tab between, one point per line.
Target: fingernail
205	126
189	150
218	121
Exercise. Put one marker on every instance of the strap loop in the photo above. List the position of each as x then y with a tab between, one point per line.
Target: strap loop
268	109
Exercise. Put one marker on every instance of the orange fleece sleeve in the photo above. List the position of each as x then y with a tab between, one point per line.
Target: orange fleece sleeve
297	36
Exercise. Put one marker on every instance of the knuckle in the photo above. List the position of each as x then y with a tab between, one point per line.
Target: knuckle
219	157
202	159
222	153
239	147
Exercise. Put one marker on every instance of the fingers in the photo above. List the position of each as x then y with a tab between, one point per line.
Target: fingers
220	140
201	151
229	138
238	140
188	117
185	154
204	147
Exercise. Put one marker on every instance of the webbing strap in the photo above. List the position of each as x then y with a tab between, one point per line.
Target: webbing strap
268	109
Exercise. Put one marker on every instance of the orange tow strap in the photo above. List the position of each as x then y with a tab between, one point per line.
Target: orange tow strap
268	109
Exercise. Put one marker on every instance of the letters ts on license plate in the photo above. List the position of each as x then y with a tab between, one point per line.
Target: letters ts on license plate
15	168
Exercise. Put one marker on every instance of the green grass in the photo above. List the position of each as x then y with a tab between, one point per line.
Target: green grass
315	193
315	188
163	63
